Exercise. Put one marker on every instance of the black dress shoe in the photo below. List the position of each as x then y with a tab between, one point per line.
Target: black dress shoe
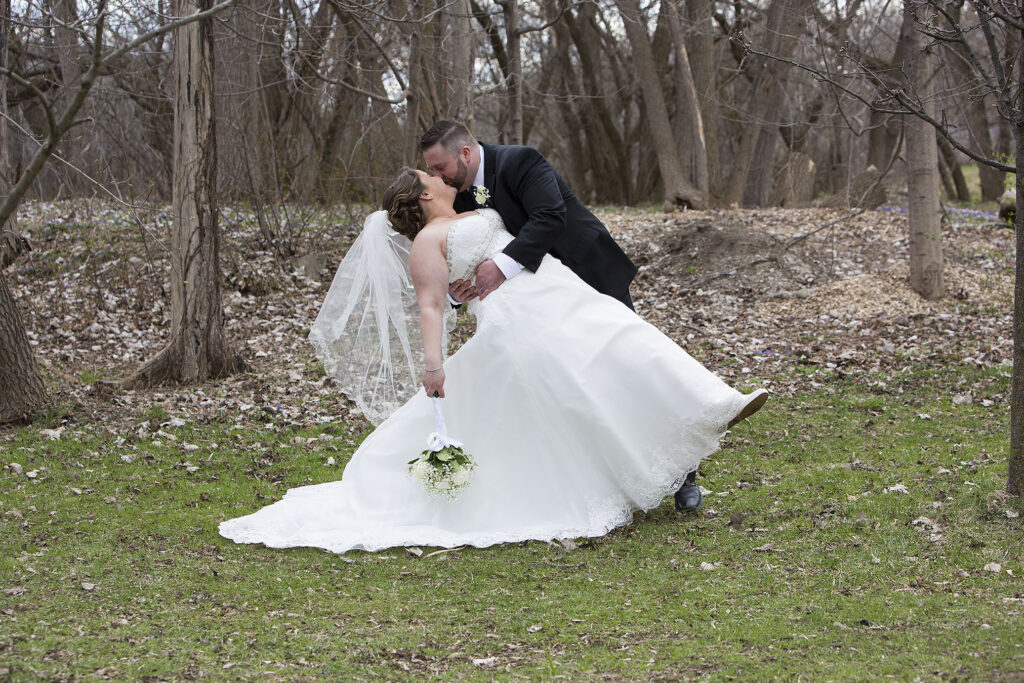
689	497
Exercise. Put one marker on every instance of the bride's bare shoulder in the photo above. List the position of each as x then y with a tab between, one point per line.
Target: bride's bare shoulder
433	235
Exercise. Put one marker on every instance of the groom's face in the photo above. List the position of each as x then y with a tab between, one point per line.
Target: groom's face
452	169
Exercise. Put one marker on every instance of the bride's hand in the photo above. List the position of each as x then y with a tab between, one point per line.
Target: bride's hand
433	382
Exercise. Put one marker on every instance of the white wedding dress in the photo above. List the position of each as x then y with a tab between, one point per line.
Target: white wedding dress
577	412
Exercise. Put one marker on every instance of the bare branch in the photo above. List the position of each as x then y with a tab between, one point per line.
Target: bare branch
910	107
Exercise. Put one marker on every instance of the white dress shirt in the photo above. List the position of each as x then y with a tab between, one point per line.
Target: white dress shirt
508	266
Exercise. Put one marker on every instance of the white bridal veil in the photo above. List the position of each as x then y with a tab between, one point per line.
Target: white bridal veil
367	332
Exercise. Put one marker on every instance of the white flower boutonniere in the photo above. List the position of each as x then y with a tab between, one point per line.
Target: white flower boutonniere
482	195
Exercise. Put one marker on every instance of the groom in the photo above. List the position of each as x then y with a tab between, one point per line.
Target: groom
543	214
537	206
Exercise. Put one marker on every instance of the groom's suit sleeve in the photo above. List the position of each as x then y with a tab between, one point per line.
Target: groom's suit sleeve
535	183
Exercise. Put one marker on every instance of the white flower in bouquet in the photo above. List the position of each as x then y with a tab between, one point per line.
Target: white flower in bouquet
443	473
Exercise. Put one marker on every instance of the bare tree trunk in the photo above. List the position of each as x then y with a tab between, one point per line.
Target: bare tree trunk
883	138
237	40
595	120
514	87
414	98
976	106
66	44
679	192
956	174
1015	477
701	53
22	392
21	385
922	158
461	22
785	21
695	146
12	244
197	349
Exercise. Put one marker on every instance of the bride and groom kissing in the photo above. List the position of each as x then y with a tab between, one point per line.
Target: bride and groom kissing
577	411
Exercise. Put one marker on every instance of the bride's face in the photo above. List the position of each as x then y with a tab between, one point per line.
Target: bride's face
436	188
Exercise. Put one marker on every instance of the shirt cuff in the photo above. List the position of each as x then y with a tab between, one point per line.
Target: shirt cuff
508	266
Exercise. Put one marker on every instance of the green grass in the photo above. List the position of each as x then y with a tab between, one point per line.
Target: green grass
112	566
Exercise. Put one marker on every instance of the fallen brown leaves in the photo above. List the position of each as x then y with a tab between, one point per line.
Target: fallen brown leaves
754	294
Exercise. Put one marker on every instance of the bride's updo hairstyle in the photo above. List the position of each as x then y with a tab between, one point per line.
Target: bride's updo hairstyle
402	202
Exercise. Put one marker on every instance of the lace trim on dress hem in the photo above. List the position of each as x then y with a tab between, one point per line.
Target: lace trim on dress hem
384	537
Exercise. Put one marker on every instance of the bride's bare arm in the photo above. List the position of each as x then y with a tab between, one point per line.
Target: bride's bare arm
430	278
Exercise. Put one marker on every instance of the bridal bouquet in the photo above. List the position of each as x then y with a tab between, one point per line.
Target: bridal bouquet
444	468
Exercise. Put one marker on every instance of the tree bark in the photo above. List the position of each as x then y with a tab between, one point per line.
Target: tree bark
679	192
703	66
514	83
1015	476
197	349
785	19
923	215
956	174
976	110
694	146
67	48
461	23
12	244
22	392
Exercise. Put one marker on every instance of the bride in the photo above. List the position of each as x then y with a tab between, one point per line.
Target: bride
576	411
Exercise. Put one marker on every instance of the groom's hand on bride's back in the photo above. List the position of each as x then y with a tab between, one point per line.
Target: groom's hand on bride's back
462	290
488	278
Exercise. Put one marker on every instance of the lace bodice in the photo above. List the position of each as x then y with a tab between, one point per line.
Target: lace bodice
472	240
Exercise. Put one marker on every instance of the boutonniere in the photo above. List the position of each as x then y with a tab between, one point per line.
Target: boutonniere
482	195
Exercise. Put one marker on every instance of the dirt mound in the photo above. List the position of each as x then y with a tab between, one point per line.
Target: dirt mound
730	256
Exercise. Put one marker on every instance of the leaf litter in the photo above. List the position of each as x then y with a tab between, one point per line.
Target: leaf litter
756	295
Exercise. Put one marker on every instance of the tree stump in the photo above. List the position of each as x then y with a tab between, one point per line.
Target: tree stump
865	191
794	182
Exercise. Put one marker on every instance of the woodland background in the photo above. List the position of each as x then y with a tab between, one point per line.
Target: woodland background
185	176
324	100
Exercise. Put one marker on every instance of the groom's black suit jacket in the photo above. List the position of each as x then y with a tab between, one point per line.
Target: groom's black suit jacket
544	215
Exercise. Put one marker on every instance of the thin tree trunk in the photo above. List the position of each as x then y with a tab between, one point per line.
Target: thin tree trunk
1015	476
679	192
514	86
12	244
701	53
956	174
66	44
976	109
695	146
197	349
461	21
946	178
922	159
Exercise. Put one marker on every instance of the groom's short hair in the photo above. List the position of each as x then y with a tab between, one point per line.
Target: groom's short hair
451	134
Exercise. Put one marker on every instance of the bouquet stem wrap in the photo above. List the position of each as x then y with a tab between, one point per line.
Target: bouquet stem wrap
439	438
444	468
